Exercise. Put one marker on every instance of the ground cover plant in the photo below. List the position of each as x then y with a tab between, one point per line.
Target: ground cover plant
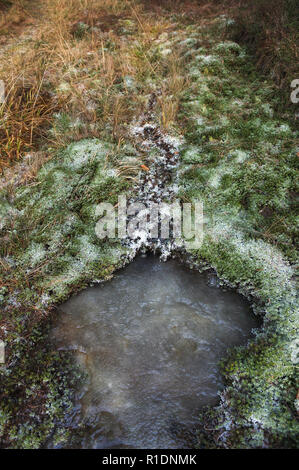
78	75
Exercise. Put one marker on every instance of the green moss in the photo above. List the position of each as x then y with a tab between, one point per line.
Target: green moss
52	251
240	160
242	155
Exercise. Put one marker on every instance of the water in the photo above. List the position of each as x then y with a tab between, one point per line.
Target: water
150	340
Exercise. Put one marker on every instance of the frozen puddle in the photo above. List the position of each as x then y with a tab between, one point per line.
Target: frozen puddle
150	341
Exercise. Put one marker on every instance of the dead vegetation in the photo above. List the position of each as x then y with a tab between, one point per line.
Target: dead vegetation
269	28
83	69
24	119
15	15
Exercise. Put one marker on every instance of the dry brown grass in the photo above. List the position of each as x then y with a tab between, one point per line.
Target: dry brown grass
270	29
31	70
24	118
70	78
12	16
172	90
129	168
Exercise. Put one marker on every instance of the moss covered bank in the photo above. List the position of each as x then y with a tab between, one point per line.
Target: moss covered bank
239	156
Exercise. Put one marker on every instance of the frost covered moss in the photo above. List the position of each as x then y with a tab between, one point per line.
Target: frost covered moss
48	250
57	217
239	155
258	406
240	160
